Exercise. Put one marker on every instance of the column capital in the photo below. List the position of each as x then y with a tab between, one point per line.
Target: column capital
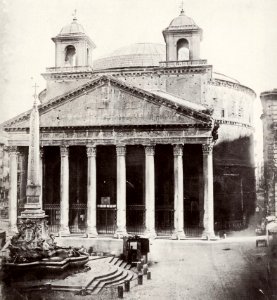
13	150
91	151
149	150
64	150
178	150
207	148
120	150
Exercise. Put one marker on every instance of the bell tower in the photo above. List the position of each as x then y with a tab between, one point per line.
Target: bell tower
73	46
182	38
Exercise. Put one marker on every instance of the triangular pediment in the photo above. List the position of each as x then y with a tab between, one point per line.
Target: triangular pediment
107	101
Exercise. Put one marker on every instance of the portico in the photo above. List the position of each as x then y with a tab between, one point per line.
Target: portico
102	166
115	208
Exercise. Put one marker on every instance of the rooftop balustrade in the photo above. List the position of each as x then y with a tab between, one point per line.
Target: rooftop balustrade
182	63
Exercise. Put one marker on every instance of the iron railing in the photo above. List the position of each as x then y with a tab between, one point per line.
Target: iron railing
53	213
164	220
135	219
230	225
106	219
193	231
78	217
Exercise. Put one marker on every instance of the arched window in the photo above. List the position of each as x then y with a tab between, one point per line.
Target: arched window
183	50
70	56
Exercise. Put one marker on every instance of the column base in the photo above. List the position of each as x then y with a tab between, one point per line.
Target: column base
150	234
209	235
120	233
92	232
178	235
64	231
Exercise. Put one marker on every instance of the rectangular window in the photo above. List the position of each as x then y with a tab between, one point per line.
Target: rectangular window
222	113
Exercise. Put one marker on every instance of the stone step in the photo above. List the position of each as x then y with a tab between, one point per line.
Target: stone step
96	285
123	265
128	267
113	260
130	277
119	263
98	278
121	278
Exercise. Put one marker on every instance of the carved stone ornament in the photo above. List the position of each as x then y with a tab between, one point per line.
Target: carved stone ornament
120	150
91	151
64	151
207	148
12	150
178	150
149	150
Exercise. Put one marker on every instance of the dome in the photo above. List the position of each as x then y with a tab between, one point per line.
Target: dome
72	28
182	22
135	55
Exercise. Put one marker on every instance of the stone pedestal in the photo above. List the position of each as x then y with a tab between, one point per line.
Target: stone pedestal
33	226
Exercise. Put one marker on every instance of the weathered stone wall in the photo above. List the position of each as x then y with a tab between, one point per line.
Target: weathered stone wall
230	101
269	102
187	83
58	87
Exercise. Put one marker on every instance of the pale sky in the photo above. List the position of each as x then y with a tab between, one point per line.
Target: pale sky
240	38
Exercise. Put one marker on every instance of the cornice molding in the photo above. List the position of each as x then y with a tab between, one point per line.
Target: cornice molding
232	85
127	72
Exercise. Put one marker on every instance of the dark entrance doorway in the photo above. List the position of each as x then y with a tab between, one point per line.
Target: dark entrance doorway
164	190
106	189
193	189
77	189
135	216
51	186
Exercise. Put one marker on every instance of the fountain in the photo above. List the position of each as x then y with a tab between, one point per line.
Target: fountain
32	248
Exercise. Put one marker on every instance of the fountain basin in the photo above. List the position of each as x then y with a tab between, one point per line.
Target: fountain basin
51	264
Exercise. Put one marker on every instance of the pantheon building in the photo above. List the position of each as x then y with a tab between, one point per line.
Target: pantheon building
147	140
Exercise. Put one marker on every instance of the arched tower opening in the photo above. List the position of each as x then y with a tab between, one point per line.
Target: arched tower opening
182	38
70	56
183	50
73	46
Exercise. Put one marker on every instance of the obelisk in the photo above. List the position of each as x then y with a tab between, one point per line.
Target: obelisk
33	213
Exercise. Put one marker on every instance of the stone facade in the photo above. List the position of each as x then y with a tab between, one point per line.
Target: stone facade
170	143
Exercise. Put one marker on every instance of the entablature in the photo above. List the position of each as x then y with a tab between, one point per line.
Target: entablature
114	136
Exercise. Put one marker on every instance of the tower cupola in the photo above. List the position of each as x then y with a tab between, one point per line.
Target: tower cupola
182	38
73	46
